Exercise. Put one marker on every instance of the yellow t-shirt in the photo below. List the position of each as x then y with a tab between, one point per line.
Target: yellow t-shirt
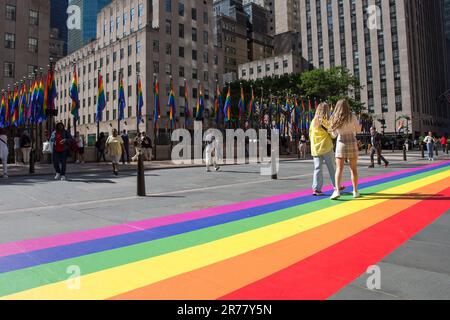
114	145
321	142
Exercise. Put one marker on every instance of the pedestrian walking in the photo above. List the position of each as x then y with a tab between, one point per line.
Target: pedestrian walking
126	145
4	152
430	141
211	152
114	148
80	148
443	142
322	148
147	145
61	140
302	146
376	148
17	152
345	126
100	145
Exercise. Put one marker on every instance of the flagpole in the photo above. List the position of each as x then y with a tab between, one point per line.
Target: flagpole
98	97
76	107
118	109
138	118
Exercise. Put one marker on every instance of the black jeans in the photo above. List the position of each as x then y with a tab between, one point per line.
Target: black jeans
376	151
59	162
126	154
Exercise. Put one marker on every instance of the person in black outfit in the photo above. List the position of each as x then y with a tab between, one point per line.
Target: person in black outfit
100	145
376	142
126	145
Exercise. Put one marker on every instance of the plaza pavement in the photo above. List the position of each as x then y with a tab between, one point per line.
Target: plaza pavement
36	206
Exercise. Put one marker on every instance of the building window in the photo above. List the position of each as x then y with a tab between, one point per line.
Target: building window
181	72
155	67
194	73
10	40
168	5
168	49
168	26
129	70
181	52
168	69
181	9
138	47
32	45
194	55
205	37
194	14
138	67
10	12
181	30
194	34
205	17
155	46
33	18
8	70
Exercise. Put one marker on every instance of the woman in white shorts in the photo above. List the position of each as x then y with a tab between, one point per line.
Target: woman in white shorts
114	147
345	126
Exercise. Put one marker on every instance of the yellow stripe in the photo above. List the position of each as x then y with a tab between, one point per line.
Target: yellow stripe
117	280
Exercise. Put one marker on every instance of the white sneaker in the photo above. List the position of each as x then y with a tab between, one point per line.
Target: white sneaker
63	178
336	195
58	176
356	195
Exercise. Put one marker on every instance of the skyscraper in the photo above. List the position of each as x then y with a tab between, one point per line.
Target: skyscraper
77	38
395	48
58	20
25	30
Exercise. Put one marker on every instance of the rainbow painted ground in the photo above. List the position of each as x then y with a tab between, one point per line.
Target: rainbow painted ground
290	246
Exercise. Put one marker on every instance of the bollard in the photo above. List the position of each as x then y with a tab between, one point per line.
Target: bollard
32	160
422	151
437	151
141	177
404	154
446	148
273	165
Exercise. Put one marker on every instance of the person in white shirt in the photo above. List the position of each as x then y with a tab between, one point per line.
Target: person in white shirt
345	126
430	141
80	144
4	152
211	151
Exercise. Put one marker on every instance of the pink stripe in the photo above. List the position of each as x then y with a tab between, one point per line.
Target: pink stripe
79	236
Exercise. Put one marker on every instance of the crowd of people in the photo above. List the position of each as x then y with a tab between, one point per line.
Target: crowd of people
332	139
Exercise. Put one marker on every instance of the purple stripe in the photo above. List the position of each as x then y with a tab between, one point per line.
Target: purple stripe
79	236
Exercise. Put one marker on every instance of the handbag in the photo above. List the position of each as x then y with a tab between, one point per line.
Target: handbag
47	148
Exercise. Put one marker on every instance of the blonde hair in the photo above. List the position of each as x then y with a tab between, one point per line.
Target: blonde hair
342	115
321	114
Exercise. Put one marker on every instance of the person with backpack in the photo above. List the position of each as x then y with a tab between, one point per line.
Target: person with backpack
25	147
60	140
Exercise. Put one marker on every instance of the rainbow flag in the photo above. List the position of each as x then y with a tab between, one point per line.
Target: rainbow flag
157	110
30	103
2	112
187	113
218	104
200	108
172	107
15	108
252	105
73	93
215	253
227	107
23	105
40	102
140	101
241	104
50	92
101	99
122	103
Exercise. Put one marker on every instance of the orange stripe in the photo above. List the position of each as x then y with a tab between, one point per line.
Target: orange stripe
219	279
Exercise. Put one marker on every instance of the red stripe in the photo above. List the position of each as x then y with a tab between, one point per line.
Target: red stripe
325	273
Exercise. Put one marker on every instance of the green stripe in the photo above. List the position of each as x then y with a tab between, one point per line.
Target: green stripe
24	279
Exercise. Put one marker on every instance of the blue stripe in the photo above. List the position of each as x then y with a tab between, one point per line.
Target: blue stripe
48	255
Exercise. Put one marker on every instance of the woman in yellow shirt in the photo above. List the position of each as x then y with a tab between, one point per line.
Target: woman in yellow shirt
321	148
114	147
